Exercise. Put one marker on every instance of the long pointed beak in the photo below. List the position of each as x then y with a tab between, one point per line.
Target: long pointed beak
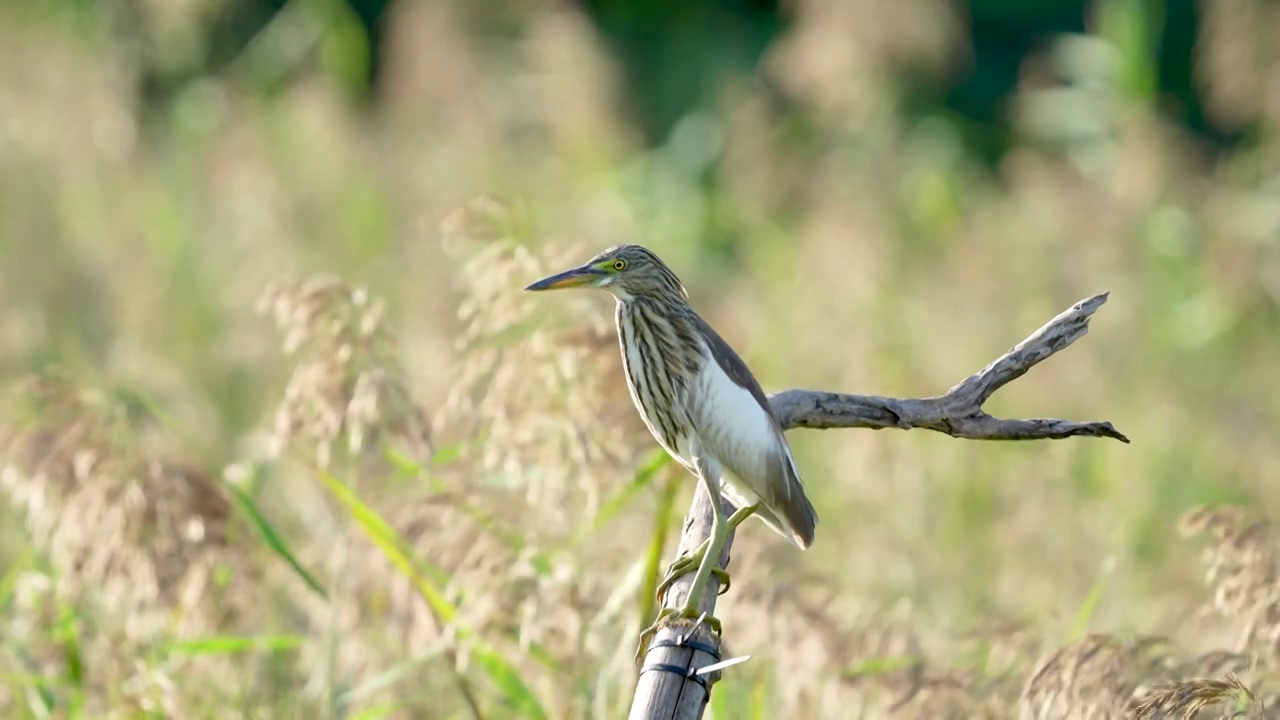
576	277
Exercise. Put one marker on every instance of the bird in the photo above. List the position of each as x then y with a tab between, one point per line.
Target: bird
703	406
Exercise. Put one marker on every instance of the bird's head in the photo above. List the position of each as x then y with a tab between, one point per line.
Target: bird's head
626	271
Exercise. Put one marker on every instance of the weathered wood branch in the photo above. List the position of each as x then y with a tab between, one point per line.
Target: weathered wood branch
959	412
672	690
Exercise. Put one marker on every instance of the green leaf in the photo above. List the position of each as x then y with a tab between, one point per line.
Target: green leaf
514	690
1084	616
447	454
880	666
395	548
760	698
273	539
229	644
40	700
410	467
243	500
405	465
720	702
35	686
69	636
376	525
658	460
740	694
374	713
653	554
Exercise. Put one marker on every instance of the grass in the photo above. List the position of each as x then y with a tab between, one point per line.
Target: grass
281	437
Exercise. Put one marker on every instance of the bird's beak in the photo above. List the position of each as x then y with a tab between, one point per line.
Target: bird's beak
576	277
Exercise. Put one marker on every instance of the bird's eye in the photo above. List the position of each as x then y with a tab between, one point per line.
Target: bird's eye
619	265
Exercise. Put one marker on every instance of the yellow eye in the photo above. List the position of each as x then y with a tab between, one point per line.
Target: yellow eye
619	265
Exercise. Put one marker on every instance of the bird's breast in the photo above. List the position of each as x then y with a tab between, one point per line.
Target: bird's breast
661	369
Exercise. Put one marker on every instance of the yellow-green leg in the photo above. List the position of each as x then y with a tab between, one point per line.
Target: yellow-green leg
691	560
707	554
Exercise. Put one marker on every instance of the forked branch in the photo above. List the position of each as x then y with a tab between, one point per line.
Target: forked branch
959	412
669	687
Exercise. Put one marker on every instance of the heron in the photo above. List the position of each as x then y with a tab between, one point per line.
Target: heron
702	405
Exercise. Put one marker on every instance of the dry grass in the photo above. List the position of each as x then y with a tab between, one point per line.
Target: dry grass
399	487
1224	698
137	545
1241	568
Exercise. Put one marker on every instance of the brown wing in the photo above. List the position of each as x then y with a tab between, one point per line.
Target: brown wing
785	506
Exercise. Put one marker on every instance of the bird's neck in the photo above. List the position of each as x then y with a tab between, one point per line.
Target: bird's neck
653	306
663	323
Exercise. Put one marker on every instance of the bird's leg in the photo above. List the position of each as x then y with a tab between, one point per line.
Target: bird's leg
710	554
690	561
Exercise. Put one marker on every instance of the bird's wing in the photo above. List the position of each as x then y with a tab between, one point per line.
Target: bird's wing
734	423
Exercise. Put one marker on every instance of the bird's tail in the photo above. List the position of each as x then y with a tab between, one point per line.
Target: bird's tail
786	508
799	520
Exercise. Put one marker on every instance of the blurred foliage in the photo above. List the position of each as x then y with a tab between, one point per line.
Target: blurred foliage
676	57
281	437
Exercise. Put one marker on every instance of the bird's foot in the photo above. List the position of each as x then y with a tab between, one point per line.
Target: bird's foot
665	618
689	562
686	564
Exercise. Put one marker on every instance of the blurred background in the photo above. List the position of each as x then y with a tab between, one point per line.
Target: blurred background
281	436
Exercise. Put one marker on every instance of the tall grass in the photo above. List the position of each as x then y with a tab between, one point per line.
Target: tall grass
281	436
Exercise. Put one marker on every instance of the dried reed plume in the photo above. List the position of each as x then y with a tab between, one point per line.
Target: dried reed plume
539	409
1094	677
346	409
133	540
1225	697
347	384
1104	676
541	381
1242	570
528	462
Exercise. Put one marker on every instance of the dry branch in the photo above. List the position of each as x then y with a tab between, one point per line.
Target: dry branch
672	691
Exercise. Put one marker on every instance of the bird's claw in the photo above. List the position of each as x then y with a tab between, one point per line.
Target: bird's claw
686	564
665	617
724	580
673	574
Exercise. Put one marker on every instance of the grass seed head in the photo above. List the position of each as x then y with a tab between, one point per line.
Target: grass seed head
347	390
1224	697
1241	567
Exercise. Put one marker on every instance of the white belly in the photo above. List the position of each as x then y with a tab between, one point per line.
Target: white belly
736	431
721	420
